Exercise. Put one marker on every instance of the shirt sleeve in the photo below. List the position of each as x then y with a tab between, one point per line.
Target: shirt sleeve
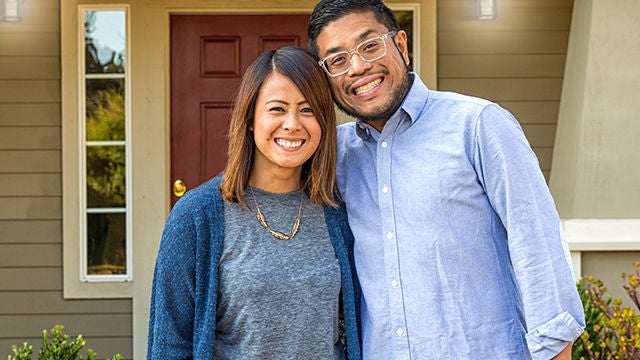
510	174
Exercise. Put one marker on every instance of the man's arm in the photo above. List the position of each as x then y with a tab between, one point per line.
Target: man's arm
564	354
510	173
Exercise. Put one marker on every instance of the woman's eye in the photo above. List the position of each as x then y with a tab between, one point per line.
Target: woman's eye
277	108
307	110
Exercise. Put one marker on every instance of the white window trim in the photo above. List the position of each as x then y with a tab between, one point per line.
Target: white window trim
76	283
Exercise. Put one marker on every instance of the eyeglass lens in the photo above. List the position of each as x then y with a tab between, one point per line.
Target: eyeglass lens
369	50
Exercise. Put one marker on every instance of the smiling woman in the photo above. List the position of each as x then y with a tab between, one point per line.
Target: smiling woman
262	272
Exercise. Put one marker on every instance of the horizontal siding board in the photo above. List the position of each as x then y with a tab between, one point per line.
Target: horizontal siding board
540	135
544	155
89	325
29	68
30	279
507	42
29	44
30	231
30	255
42	303
30	185
500	66
507	19
46	114
18	138
30	91
46	5
534	112
506	89
30	161
36	208
35	19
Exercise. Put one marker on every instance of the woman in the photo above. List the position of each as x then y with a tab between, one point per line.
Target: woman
255	263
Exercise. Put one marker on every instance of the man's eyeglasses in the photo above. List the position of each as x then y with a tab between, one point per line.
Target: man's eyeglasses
369	50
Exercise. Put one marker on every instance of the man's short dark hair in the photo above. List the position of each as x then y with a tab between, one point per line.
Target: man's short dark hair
327	11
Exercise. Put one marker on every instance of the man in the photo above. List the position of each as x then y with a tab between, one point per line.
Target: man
458	245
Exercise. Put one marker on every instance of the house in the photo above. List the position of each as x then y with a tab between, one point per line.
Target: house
104	105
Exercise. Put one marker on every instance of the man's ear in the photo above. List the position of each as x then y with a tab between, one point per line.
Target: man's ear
402	45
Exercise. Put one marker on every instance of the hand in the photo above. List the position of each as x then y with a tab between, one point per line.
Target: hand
564	354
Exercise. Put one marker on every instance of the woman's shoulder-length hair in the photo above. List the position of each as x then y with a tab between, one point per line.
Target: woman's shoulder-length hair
318	173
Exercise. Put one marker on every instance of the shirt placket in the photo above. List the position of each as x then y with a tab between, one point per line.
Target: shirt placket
399	332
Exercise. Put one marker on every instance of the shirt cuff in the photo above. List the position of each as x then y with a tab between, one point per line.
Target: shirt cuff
550	338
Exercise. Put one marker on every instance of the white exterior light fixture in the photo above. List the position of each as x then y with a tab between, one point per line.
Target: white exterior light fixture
11	10
486	9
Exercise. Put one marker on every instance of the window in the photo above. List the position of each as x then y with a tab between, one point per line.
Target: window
104	150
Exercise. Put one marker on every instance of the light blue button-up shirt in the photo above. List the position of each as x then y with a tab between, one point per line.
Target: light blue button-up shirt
458	245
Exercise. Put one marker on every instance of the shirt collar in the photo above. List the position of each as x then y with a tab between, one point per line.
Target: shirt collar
413	106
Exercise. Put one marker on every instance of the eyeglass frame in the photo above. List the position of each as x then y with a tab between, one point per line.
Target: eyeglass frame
350	53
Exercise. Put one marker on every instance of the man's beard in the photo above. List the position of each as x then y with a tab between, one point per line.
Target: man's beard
385	111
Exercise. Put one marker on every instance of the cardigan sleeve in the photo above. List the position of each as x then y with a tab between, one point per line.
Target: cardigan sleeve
342	239
173	290
184	290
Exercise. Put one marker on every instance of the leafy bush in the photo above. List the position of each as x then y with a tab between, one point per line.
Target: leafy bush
613	330
57	347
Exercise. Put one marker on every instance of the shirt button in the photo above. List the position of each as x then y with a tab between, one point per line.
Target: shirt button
399	332
384	144
395	283
385	189
389	236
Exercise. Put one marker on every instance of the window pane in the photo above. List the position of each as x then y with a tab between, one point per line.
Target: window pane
106	244
105	109
105	176
105	40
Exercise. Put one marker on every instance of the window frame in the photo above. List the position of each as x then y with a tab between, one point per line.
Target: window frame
77	283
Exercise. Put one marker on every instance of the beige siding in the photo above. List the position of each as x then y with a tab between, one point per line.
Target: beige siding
516	60
31	285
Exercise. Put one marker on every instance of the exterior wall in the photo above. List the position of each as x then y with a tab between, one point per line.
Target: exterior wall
516	60
594	178
31	289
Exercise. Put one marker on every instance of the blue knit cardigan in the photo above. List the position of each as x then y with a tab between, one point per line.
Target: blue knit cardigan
182	322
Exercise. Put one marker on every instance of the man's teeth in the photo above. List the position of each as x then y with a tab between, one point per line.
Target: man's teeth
289	144
367	87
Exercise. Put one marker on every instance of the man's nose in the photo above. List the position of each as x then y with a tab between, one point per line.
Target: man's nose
357	65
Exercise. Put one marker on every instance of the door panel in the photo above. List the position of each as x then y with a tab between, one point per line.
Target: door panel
209	54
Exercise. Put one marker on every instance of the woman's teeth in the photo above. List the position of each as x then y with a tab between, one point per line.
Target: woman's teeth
289	144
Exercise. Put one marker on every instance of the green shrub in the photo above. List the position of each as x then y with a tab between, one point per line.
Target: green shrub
56	347
613	330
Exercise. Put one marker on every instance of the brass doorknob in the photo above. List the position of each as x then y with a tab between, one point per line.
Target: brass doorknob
179	188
